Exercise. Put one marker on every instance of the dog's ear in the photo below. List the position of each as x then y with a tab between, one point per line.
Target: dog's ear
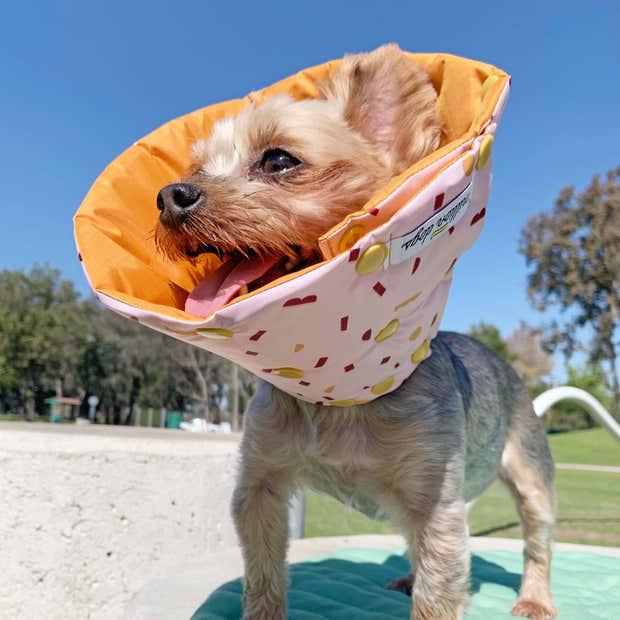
390	101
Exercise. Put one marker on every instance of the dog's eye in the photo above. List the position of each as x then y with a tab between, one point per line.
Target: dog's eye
276	161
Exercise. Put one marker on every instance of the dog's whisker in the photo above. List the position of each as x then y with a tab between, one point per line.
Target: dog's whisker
250	194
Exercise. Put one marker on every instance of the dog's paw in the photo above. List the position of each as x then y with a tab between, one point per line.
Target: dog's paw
403	584
535	611
264	606
265	614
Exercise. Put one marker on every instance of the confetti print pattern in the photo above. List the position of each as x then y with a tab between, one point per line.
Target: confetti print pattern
357	326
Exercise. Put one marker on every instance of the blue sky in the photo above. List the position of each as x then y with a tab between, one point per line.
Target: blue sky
80	81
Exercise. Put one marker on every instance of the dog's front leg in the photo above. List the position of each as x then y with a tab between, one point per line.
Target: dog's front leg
260	502
439	550
260	512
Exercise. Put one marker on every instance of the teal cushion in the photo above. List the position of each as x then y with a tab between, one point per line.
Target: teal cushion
349	584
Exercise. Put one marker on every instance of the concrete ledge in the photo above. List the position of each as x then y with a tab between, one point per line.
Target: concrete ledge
90	515
180	593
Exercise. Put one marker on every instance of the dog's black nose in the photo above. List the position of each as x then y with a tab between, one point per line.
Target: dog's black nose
176	200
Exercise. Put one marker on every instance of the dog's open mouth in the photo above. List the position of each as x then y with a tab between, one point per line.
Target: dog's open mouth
238	275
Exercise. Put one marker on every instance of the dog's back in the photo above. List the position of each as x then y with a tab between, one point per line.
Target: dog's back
493	401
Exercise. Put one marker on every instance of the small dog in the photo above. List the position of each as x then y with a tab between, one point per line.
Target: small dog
269	183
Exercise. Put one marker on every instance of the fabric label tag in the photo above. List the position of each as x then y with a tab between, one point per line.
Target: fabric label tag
412	243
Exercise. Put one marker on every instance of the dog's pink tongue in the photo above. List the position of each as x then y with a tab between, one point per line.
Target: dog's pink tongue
222	285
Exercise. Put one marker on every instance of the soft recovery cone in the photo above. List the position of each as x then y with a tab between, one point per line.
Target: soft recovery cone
343	331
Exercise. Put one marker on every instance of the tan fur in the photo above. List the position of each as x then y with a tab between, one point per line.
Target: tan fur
392	106
536	506
346	155
391	467
357	457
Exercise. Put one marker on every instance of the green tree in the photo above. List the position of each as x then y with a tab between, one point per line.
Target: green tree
529	357
573	255
42	333
127	364
52	342
570	416
490	336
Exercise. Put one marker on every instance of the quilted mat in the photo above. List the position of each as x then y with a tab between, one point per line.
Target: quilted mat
349	584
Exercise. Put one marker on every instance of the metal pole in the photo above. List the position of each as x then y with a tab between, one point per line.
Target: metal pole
136	415
235	396
546	400
297	515
149	417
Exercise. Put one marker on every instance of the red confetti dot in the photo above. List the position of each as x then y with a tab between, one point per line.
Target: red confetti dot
367	334
438	201
319	402
268	370
478	216
299	301
354	254
385	360
258	335
396	365
349	367
379	289
320	362
344	323
374	211
328	398
251	353
304	383
434	320
451	229
416	264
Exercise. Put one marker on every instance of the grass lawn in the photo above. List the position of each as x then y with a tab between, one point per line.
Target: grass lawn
595	447
589	502
15	417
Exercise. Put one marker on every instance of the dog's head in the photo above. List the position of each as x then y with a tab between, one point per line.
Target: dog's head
273	179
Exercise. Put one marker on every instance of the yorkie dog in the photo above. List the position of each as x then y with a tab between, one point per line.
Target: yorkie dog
266	185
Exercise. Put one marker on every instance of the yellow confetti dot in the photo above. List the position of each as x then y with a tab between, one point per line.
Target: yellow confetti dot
176	329
330	389
421	352
288	373
388	331
416	333
347	402
485	151
402	304
372	258
298	348
468	163
487	85
382	386
217	333
350	237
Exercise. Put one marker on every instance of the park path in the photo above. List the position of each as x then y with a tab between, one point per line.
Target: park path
608	469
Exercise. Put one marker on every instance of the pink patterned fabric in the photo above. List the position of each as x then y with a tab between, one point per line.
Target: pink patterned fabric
357	326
